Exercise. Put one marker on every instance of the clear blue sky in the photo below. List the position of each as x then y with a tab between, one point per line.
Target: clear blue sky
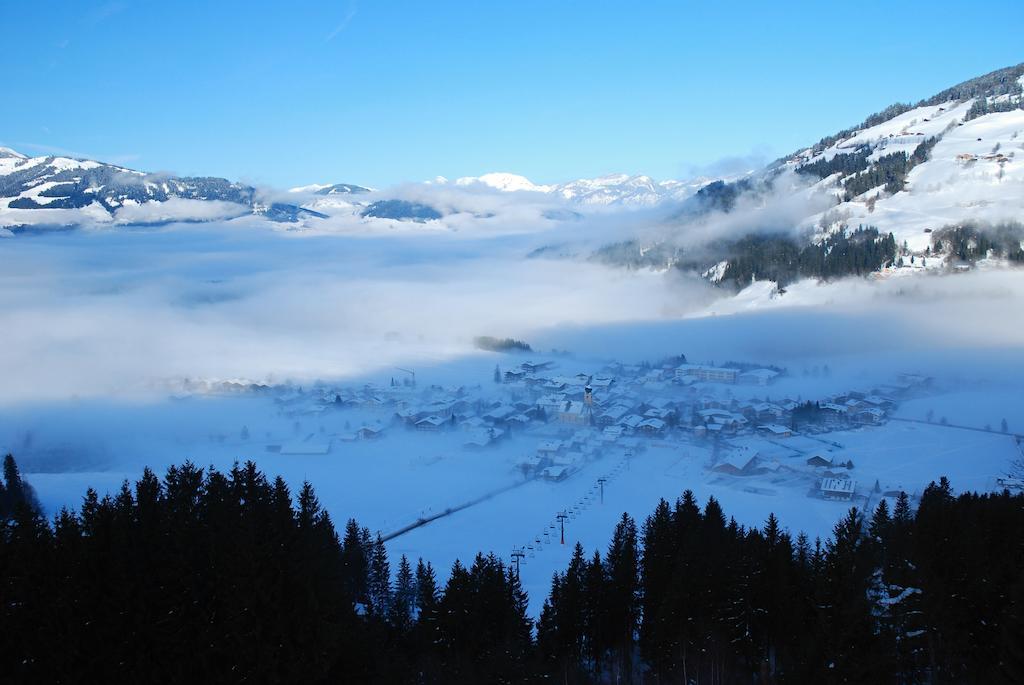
382	92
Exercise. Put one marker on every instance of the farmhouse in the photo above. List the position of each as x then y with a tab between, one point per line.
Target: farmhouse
819	460
738	462
651	427
774	430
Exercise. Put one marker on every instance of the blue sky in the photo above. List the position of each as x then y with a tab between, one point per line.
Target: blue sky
383	92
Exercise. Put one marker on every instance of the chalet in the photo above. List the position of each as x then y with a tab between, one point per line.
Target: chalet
631	422
833	413
373	402
514	375
774	430
819	460
555	473
370	432
480	439
788	405
407	416
738	462
518	421
612	415
880	402
871	416
655	413
841	489
499	414
766	412
651	427
549	448
431	423
720	416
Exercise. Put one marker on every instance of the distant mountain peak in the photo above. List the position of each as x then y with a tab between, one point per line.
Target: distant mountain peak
331	189
503	181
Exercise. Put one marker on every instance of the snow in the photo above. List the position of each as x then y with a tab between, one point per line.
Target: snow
944	191
6	152
505	182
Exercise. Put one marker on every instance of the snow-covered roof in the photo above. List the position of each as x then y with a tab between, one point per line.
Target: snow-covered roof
739	458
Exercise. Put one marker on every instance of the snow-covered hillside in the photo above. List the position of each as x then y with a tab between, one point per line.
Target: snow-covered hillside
974	173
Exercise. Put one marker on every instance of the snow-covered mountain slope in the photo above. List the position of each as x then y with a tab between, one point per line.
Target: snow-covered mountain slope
942	163
974	173
60	191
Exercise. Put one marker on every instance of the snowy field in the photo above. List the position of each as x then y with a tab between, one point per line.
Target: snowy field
97	325
391	482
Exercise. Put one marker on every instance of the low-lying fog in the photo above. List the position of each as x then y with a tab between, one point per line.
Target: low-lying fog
95	322
106	313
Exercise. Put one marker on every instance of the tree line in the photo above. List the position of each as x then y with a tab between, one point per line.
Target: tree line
782	259
226	577
972	241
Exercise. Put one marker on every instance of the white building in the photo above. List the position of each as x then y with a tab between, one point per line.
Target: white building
837	488
707	374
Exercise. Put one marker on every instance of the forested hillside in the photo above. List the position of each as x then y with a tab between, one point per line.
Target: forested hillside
225	577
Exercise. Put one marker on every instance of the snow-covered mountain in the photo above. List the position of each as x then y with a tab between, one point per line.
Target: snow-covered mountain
62	191
611	191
